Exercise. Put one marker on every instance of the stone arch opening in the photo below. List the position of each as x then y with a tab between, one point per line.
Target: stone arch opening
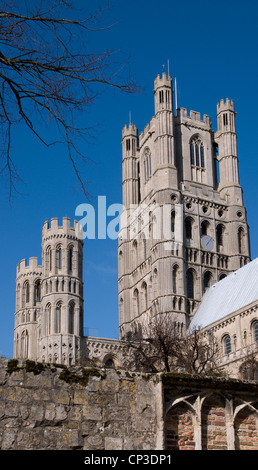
179	428
246	429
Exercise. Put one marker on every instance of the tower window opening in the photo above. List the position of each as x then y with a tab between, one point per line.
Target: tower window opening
49	258
27	292
161	96
59	257
70	259
71	318
204	227
197	156
58	317
172	221
188	229
225	119
202	156
37	292
206	281
174	278
190	284
128	145
240	240
220	236
147	165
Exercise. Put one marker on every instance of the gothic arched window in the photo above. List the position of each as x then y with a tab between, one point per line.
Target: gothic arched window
144	296
26	288
136	302
227	344
147	164
255	331
220	236
197	152
58	317
190	283
59	257
71	318
174	278
49	258
24	344
37	292
240	235
48	319
206	280
188	228
70	259
204	227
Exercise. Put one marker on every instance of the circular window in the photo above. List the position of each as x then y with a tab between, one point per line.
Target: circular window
239	214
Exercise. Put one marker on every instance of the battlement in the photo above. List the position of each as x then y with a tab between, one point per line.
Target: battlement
25	267
163	80
54	228
227	105
193	115
130	130
148	129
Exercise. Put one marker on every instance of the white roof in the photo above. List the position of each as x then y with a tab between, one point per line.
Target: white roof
233	292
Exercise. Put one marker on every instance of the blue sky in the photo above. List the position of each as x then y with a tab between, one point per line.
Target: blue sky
212	51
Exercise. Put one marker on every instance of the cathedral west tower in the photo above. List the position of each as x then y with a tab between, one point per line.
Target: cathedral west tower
182	173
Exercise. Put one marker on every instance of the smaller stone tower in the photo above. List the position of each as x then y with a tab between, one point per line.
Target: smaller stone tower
131	170
28	309
49	305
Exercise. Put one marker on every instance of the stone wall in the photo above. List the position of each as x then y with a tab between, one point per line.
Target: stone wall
54	407
47	407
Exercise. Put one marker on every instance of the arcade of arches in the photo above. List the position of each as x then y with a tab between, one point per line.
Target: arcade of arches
210	418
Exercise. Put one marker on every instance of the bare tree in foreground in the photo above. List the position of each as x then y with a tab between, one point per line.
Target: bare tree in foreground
162	347
48	74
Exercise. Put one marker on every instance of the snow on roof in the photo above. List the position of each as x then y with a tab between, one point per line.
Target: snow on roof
233	292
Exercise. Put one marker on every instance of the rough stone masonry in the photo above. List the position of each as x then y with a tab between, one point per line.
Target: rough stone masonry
54	407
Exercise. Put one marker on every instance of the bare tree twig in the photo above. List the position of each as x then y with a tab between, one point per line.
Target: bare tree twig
43	71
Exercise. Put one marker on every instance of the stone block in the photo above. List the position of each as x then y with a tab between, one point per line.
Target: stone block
113	443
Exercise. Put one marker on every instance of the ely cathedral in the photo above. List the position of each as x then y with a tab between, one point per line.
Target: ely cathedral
184	173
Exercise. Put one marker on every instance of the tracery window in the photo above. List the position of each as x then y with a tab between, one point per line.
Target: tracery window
197	152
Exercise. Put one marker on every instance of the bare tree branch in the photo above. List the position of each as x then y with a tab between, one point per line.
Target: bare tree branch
47	71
